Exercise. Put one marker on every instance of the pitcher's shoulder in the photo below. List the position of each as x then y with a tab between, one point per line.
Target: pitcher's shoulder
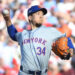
49	28
24	32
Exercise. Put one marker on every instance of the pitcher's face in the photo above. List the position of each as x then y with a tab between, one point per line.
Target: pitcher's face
37	18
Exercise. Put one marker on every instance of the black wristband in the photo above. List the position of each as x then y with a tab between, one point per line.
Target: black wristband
68	56
65	57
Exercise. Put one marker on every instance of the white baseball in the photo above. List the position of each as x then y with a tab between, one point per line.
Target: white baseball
5	11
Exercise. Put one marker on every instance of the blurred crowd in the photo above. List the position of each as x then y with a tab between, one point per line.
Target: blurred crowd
61	15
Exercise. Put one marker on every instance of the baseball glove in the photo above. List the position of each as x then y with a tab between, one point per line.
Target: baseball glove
60	48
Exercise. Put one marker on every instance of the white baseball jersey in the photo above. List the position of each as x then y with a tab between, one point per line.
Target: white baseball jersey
36	47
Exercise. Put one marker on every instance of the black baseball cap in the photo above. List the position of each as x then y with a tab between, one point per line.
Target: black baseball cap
36	8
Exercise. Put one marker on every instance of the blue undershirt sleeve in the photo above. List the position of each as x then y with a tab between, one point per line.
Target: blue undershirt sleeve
12	32
70	43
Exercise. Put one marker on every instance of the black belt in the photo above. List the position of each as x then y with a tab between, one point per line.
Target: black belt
33	72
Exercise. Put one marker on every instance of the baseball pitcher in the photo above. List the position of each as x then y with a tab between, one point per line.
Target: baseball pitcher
36	44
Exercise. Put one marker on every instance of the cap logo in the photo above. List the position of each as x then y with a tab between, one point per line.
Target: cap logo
39	6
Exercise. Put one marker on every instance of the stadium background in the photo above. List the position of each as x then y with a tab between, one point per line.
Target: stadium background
61	15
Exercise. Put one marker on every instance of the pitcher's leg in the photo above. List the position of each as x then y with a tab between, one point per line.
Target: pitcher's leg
23	73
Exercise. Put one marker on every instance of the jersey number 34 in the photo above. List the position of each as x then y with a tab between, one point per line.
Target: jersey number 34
41	50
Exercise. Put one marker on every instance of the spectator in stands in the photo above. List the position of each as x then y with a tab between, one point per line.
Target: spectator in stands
20	16
72	70
53	68
63	27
